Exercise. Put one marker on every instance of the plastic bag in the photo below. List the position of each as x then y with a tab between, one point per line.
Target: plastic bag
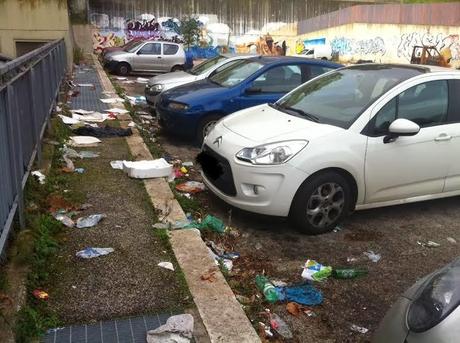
94	252
89	221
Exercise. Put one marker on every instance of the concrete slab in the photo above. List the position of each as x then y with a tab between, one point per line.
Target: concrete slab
221	313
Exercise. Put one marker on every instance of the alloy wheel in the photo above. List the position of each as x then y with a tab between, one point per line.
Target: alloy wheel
325	204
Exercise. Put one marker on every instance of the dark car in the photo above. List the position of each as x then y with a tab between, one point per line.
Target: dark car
191	110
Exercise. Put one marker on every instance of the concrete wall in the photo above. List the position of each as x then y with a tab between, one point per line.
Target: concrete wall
43	21
386	42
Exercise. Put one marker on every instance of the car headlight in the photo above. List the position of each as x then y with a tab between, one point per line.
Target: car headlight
177	106
438	297
156	88
273	153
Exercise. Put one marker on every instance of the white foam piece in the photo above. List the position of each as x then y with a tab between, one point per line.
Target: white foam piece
147	169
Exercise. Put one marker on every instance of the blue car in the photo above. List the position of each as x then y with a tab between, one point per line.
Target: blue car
191	110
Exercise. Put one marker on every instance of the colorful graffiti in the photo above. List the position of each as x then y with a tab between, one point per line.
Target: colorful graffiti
440	41
348	46
106	40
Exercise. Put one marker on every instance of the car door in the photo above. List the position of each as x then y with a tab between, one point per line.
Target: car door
409	166
148	57
271	85
453	134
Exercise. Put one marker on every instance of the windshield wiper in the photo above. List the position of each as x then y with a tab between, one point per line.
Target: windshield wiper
298	111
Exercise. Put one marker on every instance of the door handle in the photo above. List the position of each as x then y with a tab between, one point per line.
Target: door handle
443	137
159	57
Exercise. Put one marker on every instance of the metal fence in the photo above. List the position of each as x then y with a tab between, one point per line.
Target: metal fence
29	86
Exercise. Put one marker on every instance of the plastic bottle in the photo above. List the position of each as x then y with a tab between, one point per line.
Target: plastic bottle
280	326
348	273
267	288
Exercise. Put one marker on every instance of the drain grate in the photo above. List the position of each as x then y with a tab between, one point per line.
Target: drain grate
128	330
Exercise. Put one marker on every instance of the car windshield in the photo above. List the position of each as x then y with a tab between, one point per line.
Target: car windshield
203	67
339	97
236	73
133	47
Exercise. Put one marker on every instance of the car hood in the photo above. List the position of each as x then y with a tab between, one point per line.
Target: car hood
264	123
174	77
196	92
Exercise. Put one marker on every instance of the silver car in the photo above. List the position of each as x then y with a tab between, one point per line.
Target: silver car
161	83
427	313
147	56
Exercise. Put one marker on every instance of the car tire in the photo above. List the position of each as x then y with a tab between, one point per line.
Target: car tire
205	125
123	69
324	58
320	203
177	68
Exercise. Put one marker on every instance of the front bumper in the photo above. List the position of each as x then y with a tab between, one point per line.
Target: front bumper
152	97
179	123
261	189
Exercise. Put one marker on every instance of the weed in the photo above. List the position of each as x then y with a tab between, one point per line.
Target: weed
32	322
78	55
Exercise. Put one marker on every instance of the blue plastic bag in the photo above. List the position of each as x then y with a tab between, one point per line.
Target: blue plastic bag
304	294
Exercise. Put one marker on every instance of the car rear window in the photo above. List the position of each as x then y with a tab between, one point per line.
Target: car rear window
170	49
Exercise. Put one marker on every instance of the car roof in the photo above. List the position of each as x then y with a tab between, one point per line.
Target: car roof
419	67
292	59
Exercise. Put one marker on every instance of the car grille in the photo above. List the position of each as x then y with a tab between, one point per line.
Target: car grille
217	170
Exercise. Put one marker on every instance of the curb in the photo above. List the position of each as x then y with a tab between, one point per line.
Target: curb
221	313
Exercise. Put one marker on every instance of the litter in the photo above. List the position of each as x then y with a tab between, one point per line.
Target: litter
40	294
451	240
86	85
58	109
219	251
102	132
68	120
337	228
83	141
89	221
142	80
227	264
70	153
428	244
117	110
161	226
64	219
315	271
128	81
111	100
372	256
83	112
210	276
95	117
187	164
121	78
40	176
94	252
231	256
191	187
212	223
132	124
242	299
264	330
116	164
147	169
88	154
304	294
183	170
144	116
359	329
351	259
278	283
348	273
137	100
79	170
178	329
166	265
69	168
280	326
266	287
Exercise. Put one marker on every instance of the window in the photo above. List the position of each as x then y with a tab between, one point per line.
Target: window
425	104
281	79
151	49
170	49
204	66
236	73
318	70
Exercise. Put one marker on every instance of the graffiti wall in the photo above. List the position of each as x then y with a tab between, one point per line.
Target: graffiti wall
386	42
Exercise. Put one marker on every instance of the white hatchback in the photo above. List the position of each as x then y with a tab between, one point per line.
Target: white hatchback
359	137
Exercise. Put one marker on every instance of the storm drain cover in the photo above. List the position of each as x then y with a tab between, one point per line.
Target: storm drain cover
127	330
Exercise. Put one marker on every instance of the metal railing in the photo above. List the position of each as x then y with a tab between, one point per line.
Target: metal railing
29	86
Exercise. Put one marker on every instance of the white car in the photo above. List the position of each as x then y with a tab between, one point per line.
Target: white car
359	137
323	52
161	83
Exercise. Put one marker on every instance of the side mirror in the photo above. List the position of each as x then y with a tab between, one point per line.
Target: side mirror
253	90
401	127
